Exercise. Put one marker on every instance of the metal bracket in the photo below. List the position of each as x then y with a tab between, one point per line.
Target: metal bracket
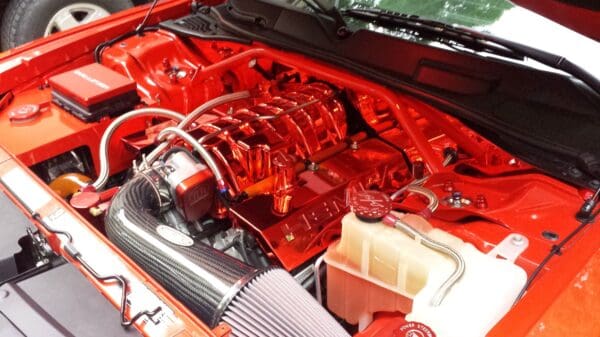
511	247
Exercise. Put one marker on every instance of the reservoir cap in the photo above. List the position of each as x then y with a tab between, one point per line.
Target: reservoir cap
370	206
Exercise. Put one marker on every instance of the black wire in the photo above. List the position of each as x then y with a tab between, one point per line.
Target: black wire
100	48
140	27
555	250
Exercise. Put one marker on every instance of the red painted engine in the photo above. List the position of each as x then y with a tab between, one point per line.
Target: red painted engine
265	175
298	120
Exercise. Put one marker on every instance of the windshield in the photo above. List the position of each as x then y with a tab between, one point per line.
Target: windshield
496	17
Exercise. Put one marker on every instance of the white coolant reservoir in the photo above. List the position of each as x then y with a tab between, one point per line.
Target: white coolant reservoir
374	268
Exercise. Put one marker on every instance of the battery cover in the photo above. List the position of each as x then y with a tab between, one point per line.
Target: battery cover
94	91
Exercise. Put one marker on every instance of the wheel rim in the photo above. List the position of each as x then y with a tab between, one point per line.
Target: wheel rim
74	15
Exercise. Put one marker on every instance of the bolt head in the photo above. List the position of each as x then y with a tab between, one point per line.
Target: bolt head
313	166
518	240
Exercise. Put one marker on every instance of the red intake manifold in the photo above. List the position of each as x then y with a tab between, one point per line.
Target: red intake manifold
300	120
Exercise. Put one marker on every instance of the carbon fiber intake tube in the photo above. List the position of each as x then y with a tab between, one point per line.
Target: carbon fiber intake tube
215	286
201	277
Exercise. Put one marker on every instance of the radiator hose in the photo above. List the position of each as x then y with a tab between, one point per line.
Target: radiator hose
214	286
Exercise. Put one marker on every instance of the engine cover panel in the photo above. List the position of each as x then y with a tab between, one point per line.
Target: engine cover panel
319	201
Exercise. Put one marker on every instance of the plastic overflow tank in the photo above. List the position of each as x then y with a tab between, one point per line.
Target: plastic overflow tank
375	268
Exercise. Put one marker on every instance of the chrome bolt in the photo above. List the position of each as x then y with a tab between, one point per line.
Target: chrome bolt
312	166
456	199
518	240
354	145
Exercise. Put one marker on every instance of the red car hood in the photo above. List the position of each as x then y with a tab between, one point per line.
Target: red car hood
582	16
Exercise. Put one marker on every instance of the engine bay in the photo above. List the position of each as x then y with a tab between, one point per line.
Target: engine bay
260	187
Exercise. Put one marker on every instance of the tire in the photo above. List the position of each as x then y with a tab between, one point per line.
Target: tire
27	20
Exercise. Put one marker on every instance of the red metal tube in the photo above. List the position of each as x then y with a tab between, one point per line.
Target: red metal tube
467	144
